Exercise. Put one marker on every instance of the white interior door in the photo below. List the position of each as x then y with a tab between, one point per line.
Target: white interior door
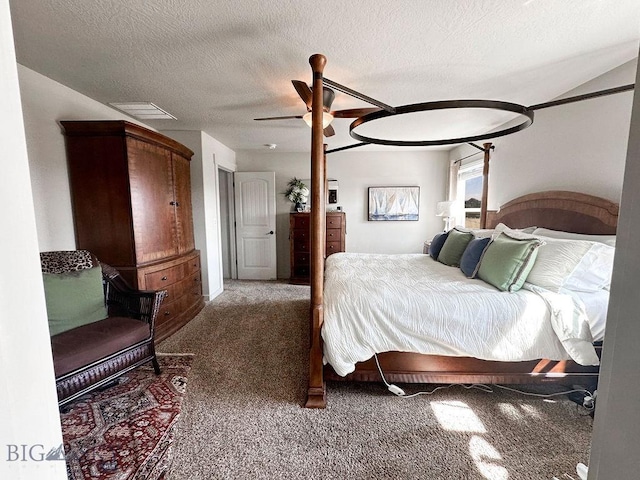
255	202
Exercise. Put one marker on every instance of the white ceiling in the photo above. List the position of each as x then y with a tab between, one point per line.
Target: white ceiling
216	65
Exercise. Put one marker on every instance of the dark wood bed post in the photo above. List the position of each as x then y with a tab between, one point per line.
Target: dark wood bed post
485	185
316	397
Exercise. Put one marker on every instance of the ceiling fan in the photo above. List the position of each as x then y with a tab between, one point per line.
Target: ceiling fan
327	99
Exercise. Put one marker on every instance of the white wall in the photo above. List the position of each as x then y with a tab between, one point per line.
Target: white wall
355	172
28	403
44	103
580	146
209	154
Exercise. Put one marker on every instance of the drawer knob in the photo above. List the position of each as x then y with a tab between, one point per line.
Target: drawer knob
167	313
164	279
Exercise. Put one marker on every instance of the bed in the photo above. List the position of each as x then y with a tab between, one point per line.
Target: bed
562	211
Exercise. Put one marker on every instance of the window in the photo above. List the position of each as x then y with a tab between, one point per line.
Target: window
469	191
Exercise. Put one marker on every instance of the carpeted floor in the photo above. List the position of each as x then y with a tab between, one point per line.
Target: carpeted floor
243	416
125	431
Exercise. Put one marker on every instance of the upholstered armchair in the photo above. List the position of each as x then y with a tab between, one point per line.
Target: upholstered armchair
100	327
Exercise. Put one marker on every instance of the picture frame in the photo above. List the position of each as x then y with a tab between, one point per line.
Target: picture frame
394	203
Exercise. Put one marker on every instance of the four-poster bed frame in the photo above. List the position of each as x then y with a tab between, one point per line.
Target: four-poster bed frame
557	210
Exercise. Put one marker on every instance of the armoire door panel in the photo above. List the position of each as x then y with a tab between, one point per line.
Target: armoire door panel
184	218
152	196
101	214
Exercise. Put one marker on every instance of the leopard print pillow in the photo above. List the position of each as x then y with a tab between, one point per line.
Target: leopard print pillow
65	261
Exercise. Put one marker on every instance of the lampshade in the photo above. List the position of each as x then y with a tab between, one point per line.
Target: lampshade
327	118
444	209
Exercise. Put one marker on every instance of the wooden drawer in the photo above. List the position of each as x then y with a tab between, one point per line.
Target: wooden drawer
301	271
302	259
169	311
158	278
178	289
334	235
162	278
301	245
193	265
186	293
300	234
301	221
333	247
334	221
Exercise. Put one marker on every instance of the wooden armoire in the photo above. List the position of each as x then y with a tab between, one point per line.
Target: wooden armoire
131	197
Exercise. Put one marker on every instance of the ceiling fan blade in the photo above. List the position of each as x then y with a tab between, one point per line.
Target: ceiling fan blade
329	131
279	118
353	112
304	91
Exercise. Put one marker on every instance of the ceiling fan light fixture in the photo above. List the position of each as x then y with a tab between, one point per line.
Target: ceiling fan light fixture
327	118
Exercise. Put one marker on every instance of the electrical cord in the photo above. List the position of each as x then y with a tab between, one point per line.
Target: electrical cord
401	393
588	402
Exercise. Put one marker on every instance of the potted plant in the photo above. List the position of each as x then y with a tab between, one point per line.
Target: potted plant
297	193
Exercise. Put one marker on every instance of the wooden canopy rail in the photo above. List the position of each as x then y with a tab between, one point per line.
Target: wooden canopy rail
557	210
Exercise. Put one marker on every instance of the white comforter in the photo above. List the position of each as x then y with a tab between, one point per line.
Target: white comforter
376	303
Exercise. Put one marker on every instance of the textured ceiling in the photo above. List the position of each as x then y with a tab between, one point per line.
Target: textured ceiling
216	65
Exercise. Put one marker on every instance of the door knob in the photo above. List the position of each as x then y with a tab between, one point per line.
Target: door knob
270	233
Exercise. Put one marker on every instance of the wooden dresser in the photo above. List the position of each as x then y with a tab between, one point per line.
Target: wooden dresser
131	196
299	242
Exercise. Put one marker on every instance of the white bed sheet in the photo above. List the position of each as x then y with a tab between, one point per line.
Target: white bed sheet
596	305
437	310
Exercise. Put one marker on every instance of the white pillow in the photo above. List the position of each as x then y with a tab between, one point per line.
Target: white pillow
520	233
593	272
482	232
523	233
557	260
606	239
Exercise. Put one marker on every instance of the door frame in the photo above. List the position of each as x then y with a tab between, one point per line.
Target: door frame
230	215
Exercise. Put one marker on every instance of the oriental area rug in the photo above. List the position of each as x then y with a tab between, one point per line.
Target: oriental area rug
126	431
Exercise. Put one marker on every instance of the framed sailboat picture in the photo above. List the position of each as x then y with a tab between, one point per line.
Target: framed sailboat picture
393	203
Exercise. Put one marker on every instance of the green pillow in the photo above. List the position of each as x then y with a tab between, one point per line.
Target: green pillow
454	247
507	261
74	299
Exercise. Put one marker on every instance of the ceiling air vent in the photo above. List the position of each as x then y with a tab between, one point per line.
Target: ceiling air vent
143	111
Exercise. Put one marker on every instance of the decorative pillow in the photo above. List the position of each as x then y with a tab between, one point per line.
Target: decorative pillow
64	261
74	299
593	272
454	247
507	261
555	262
436	244
606	239
471	256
